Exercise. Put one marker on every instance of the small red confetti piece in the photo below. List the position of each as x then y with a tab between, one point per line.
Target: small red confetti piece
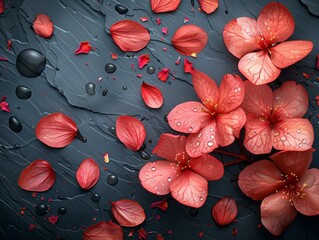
317	98
9	44
163	74
4	105
84	48
114	56
259	226
144	19
32	227
53	219
139	75
164	30
164	49
178	61
163	205
131	233
143	60
142	234
234	232
158	21
306	75
186	20
34	194
188	66
158	217
200	235
3	59
22	210
159	237
132	66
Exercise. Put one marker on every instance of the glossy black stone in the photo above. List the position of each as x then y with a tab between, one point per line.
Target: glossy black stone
14	124
90	88
30	63
110	68
41	209
95	197
112	180
124	87
112	130
121	9
144	155
105	91
62	210
150	70
23	92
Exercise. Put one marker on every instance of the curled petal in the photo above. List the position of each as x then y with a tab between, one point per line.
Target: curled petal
275	22
188	66
160	6
258	68
103	231
189	117
43	26
143	60
84	48
287	53
189	39
157	177
129	35
295	134
208	6
172	147
163	74
225	211
260	179
208	167
151	95
258	139
231	93
88	174
307	203
206	89
290	101
163	205
190	189
277	213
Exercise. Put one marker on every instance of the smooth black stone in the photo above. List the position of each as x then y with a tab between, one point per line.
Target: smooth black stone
112	130
104	92
62	210
23	92
124	87
90	88
112	180
41	209
144	155
110	68
193	212
14	124
95	197
150	69
121	9
30	63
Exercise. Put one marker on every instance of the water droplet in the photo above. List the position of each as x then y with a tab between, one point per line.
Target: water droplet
150	69
209	144
41	209
283	138
212	137
193	212
14	124
112	130
153	180
112	180
104	92
203	192
62	210
300	144
30	63
304	140
178	123
110	68
276	134
153	168
90	88
201	199
144	155
190	129
95	197
147	176
277	97
195	109
255	133
299	131
23	92
169	179
121	9
124	87
197	144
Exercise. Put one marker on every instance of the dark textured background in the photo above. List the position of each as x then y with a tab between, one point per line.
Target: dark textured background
61	87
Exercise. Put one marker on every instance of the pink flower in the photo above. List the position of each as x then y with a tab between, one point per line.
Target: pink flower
183	176
216	121
285	186
260	44
274	118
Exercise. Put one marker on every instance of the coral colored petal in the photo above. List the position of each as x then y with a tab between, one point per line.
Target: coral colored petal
131	132
229	126
206	89
208	6
208	167
5	107
189	117
277	213
204	141
88	173
293	162
258	139
260	179
157	177
225	211
84	48
129	35
295	134
143	60
103	231
290	101
43	26
189	39
231	93
258	68
190	189
240	36
172	147
163	74
307	203
275	22
151	95
39	176
160	6
128	213
257	99
287	53
188	66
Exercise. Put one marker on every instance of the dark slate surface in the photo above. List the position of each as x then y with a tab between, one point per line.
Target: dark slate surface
62	86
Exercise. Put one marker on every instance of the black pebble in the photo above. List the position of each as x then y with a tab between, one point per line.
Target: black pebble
110	68
30	63
23	92
144	155
62	210
41	209
95	197
112	180
124	87
14	124
121	9
90	88
104	92
193	212
150	69
112	130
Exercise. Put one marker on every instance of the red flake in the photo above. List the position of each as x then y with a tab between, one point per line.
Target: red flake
22	210
259	226
163	205
84	48
34	194
53	219
114	56
201	234
113	77
163	74
159	237
3	59
32	227
1	6
144	19
158	217
142	234
94	219
143	60
234	232
317	98
165	49
139	75
42	198
4	105
164	30
317	65
178	61
105	169
158	21
9	44
188	66
186	20
162	38
49	200
169	231
318	116
306	75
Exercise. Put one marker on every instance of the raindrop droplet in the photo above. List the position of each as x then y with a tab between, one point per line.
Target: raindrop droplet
169	179
299	131
30	63
124	87
153	168
304	140
95	197
112	130
150	69
283	138
14	124
144	155
197	144
212	137
153	180
110	68
210	144
112	180
62	210
23	92
201	199
178	123
90	88
121	9
147	176
104	92
195	109
255	133
41	209
190	129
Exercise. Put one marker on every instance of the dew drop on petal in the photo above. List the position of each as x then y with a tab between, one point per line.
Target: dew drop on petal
203	192
300	144
153	180
304	140
212	137
178	123
276	134
201	199
210	144
190	129
255	133
169	179
153	168
197	144
147	176
283	138
299	131
195	109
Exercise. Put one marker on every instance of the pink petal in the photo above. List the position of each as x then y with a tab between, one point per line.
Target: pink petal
258	138
231	93
206	89
240	36
190	189
293	134
189	117
143	60
208	167
293	162
208	6
287	53
290	101
260	179
157	177
257	99
152	96
5	107
171	147
307	203
164	30
225	211
163	74
188	66
258	68
84	48
204	141
275	22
